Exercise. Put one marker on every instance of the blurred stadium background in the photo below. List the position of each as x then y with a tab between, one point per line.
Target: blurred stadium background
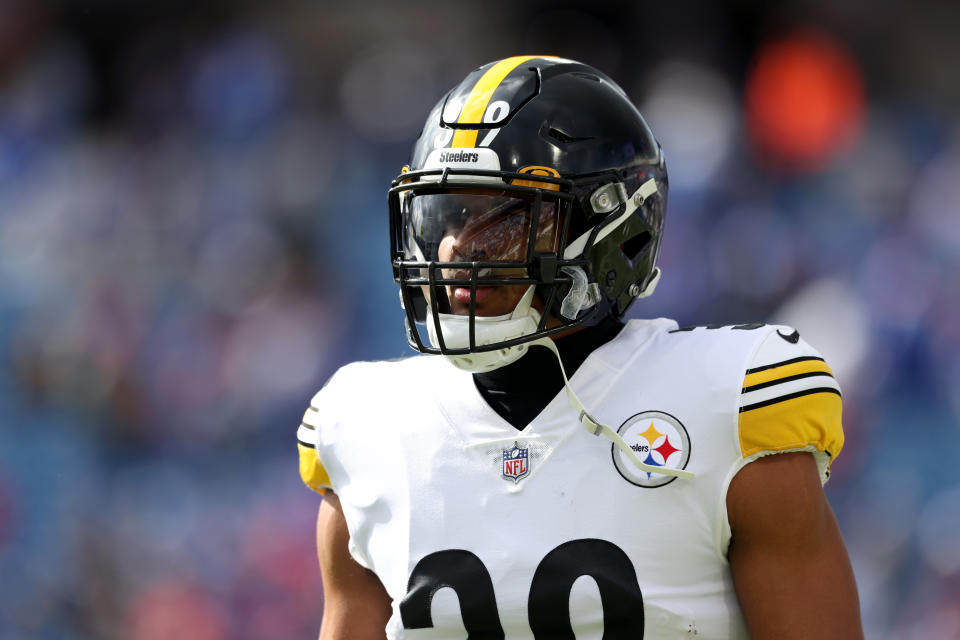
193	237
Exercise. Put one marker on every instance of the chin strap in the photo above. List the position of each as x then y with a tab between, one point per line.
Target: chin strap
594	427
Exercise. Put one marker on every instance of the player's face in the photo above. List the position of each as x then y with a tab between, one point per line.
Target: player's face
499	231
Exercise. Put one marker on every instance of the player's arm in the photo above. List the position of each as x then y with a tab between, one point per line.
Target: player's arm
788	560
789	563
355	604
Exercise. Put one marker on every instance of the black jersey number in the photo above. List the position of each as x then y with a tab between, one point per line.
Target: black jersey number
548	605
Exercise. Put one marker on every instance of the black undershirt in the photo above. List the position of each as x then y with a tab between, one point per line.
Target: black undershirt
519	392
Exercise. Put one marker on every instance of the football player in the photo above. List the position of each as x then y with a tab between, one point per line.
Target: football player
547	471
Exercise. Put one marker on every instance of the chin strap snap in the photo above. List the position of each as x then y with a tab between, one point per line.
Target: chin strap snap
597	428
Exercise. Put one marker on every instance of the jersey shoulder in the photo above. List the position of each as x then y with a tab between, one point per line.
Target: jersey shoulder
790	400
788	397
345	393
717	351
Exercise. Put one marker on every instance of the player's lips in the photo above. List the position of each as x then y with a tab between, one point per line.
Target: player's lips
462	294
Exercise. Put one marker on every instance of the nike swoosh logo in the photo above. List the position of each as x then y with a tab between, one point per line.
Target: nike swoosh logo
793	338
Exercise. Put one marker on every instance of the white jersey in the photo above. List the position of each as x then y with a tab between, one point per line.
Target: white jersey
477	529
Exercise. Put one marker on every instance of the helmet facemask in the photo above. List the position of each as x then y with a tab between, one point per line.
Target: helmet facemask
477	266
469	253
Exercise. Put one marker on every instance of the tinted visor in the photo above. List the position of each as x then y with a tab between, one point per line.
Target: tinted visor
477	226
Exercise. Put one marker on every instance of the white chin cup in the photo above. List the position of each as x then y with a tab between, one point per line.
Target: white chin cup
488	330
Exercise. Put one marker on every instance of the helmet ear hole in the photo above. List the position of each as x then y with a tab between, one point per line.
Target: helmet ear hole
633	247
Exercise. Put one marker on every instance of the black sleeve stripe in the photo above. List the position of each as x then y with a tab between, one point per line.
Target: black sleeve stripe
781	364
770	383
306	444
308	426
789	396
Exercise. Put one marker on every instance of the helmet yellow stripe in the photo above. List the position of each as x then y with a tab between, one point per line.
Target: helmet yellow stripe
480	96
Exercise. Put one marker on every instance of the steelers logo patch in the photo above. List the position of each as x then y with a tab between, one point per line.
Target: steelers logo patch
659	440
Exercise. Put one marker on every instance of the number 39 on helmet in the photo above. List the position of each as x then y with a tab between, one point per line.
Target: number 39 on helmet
535	181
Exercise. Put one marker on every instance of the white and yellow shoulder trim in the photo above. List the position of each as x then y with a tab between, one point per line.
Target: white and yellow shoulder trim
311	469
790	401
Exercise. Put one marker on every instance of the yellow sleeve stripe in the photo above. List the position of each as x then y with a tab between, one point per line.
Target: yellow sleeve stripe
479	98
311	471
786	369
807	418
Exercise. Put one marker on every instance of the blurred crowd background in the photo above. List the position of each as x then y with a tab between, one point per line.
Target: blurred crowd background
193	237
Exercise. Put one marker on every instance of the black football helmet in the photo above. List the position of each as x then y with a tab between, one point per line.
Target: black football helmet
535	175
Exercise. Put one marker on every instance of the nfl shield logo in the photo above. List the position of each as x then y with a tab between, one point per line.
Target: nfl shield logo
515	464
